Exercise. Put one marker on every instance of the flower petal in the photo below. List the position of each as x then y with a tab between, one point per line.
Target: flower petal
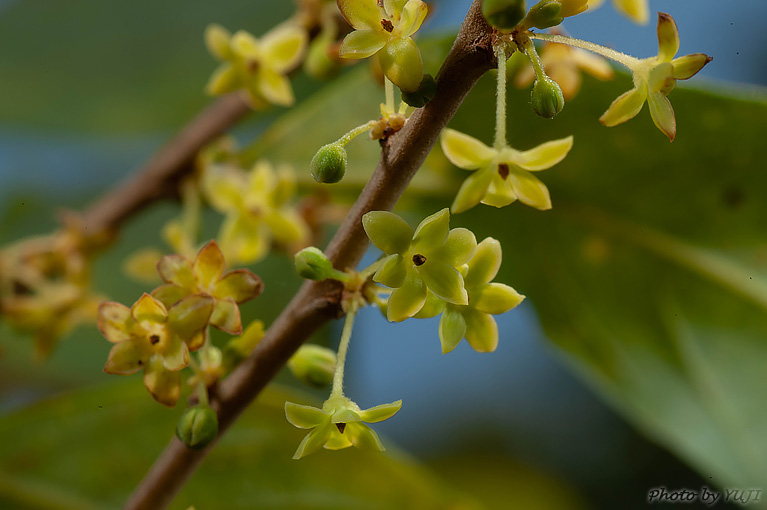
465	151
452	329
413	14
149	309
313	441
217	41
126	358
387	231
274	87
662	114
485	264
380	413
688	66
223	187
394	8
668	37
432	231
209	265
458	248
177	270
245	45
169	294
392	272
362	44
304	417
499	193
472	191
530	190
240	284
362	14
287	227
243	239
481	331
226	316
637	10
114	321
495	298
545	155
363	437
432	307
164	385
337	440
224	79
406	301
190	315
175	354
283	47
444	281
625	107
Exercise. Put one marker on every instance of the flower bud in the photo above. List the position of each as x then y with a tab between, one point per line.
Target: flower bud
312	264
314	365
318	63
425	92
504	14
329	164
401	62
547	98
197	427
545	14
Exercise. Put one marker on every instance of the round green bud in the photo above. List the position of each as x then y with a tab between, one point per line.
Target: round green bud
504	14
312	264
197	427
401	62
425	92
329	164
547	98
314	365
545	14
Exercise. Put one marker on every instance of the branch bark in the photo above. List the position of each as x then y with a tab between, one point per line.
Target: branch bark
318	302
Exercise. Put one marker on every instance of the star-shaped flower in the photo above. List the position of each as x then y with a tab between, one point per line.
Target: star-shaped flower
338	424
257	66
257	208
501	176
385	28
486	298
420	260
637	10
205	276
150	337
654	78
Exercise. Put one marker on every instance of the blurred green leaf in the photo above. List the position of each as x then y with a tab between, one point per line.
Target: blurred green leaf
650	273
88	450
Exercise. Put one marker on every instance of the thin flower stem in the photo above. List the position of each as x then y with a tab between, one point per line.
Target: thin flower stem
343	346
354	133
389	87
500	105
621	58
371	269
535	59
202	393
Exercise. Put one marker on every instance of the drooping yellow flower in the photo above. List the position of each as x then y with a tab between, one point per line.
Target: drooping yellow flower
257	66
385	28
654	78
636	10
501	176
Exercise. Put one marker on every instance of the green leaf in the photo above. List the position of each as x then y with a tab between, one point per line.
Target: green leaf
112	433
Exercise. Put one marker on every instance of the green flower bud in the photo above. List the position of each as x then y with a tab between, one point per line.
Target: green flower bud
545	14
318	63
401	62
313	365
425	92
547	98
197	427
504	14
312	264
329	164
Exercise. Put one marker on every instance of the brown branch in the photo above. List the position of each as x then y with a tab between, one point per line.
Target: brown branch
318	302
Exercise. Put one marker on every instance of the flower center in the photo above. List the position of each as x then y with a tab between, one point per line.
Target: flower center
419	259
154	339
387	25
341	427
503	170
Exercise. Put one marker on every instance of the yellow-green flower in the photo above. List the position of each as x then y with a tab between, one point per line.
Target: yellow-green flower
385	28
654	78
205	276
257	208
501	176
416	261
257	66
338	424
636	10
486	298
150	337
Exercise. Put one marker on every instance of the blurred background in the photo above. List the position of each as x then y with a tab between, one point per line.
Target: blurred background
89	90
